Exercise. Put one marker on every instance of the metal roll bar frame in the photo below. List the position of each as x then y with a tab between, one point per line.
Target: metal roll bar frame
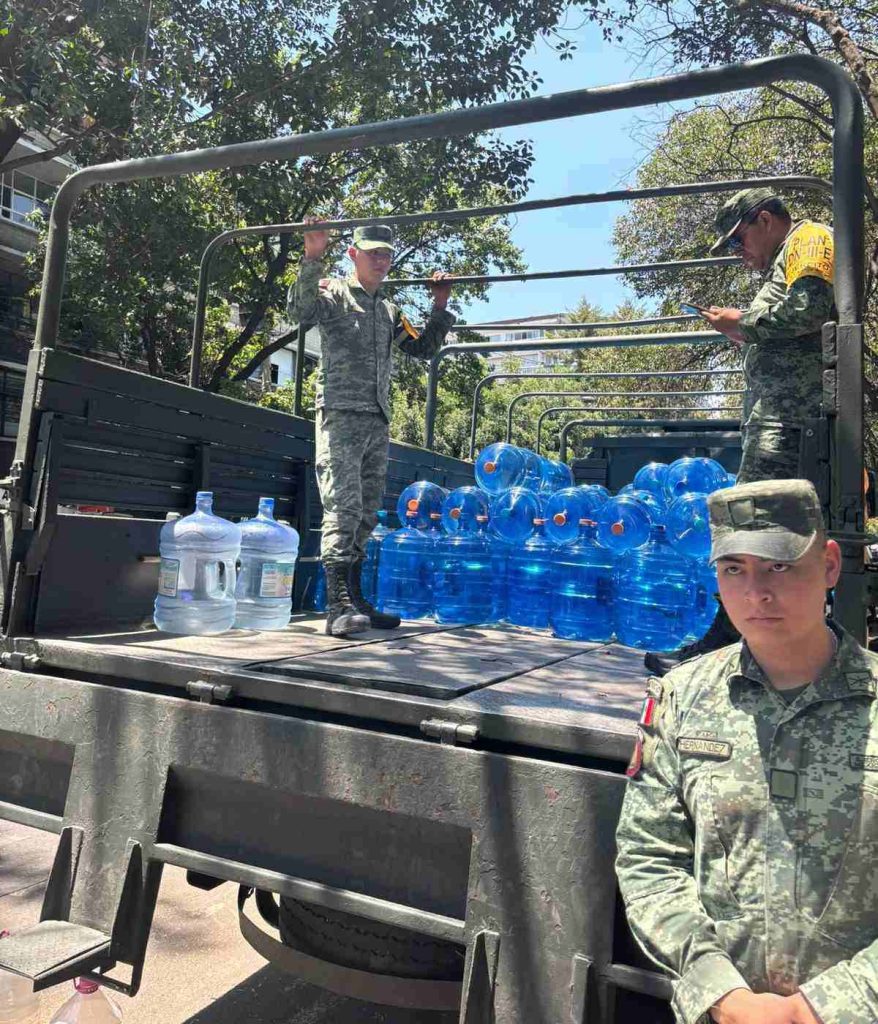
724	425
843	341
526	395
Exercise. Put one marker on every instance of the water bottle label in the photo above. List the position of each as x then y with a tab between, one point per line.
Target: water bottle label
276	579
169	573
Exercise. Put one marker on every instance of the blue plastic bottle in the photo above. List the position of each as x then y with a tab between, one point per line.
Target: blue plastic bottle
462	507
554	476
369	576
405	586
318	593
462	585
581	603
654	595
624	523
688	474
500	552
512	515
530	577
706	604
197	574
264	588
687	522
565	508
422	498
651	477
499	467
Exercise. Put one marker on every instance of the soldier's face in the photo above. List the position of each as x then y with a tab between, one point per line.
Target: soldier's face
776	602
756	241
371	265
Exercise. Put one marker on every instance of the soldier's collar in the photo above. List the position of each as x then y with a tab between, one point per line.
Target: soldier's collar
353	282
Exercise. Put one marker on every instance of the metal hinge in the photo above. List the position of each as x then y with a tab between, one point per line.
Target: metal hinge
20	662
450	733
208	693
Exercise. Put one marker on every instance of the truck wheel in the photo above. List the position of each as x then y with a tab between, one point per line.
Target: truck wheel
368	945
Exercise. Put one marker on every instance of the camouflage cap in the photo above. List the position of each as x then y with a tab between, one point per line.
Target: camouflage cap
774	519
733	211
373	236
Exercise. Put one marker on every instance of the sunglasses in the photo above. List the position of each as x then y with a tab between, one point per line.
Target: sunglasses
736	243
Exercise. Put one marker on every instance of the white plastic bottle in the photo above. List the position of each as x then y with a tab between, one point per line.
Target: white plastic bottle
196	593
264	590
89	1004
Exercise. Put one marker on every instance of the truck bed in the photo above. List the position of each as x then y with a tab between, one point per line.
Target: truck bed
515	686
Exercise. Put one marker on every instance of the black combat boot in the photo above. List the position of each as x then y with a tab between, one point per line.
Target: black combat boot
342	617
721	634
378	620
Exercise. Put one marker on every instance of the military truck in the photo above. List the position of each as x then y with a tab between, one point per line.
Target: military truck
423	819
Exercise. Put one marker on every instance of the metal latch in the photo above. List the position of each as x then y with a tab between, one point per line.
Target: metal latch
208	693
20	662
450	733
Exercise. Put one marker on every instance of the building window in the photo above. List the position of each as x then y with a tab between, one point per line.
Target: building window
275	373
21	195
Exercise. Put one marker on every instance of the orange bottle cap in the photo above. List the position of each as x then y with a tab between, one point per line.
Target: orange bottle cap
489	467
617	529
412	505
559	518
455	513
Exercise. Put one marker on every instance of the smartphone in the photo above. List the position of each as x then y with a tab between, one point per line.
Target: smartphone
693	307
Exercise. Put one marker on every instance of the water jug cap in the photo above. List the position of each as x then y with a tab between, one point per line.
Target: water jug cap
617	529
455	513
204	496
560	518
412	504
86	986
266	505
489	467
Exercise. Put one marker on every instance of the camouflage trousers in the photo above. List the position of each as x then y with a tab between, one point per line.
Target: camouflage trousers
351	462
771	450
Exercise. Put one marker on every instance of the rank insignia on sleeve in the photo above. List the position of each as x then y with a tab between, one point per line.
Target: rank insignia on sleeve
407	327
636	761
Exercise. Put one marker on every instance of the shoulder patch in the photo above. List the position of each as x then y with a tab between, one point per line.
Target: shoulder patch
860	682
810	253
407	326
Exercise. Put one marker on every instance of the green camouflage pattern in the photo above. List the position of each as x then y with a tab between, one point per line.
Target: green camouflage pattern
733	211
357	334
351	464
783	367
748	839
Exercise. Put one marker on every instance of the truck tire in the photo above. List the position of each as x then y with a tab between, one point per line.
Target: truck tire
368	945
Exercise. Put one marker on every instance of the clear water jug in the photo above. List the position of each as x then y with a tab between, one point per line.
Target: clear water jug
369	576
624	522
421	498
581	601
264	589
89	1004
197	574
405	585
654	595
565	508
530	576
513	513
462	586
554	475
687	522
651	477
463	507
688	474
499	467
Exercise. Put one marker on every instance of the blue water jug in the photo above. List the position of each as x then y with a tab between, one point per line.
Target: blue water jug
462	508
530	577
554	476
706	604
624	523
688	474
197	573
654	595
581	601
687	522
565	508
462	586
499	467
369	575
730	481
651	477
500	552
405	585
422	498
264	588
317	600
512	515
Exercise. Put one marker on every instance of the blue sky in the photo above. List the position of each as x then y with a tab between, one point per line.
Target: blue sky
583	154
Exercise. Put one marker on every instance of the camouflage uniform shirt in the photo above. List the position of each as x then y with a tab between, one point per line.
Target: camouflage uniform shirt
357	332
781	328
748	840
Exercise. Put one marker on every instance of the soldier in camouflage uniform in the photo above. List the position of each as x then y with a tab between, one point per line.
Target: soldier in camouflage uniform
779	333
358	327
748	839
